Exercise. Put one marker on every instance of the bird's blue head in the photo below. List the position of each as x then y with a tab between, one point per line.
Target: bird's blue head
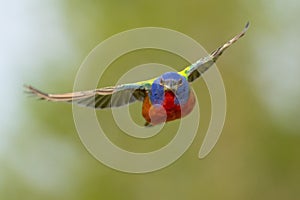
170	81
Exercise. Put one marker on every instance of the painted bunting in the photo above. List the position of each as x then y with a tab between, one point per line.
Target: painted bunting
165	98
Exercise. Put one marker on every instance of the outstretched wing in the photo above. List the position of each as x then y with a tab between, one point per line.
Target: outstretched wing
100	98
195	70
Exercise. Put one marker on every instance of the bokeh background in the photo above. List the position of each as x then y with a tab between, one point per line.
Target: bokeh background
43	43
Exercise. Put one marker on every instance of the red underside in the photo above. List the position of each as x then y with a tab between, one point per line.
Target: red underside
168	111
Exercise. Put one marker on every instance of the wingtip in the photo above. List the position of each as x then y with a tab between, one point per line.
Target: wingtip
26	86
243	32
247	25
27	89
35	92
220	50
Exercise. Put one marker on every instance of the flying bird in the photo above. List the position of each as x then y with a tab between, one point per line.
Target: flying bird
165	98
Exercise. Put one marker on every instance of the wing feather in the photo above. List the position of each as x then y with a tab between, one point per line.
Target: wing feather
99	98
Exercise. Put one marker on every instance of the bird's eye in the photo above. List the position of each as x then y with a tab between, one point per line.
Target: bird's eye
180	81
162	81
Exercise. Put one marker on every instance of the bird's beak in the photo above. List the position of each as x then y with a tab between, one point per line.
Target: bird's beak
172	89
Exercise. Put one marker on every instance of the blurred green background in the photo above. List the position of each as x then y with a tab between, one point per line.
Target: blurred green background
257	157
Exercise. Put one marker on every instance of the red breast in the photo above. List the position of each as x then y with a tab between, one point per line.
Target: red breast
168	111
